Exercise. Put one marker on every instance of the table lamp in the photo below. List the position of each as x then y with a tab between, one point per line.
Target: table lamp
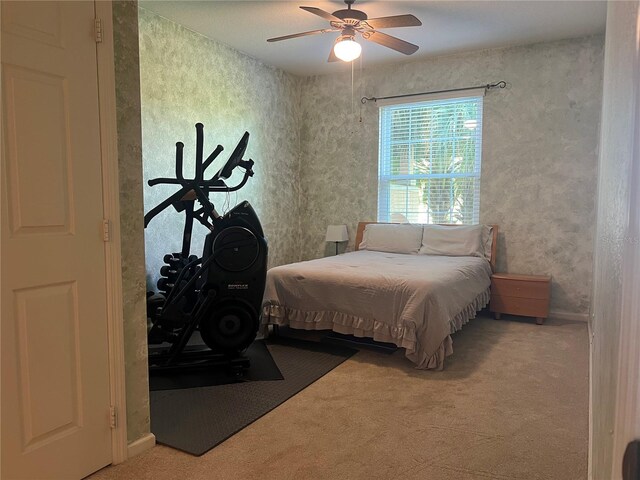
337	233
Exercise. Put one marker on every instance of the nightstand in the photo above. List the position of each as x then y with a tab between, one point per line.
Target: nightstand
526	295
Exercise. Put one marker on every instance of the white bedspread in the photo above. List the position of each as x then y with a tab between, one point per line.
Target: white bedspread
413	301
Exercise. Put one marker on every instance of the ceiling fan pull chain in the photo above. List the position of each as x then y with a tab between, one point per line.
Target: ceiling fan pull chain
352	91
361	79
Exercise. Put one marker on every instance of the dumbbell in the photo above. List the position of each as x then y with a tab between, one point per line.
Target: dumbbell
167	271
164	285
173	259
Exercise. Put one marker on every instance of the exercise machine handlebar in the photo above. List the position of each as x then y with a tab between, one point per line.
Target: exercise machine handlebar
198	187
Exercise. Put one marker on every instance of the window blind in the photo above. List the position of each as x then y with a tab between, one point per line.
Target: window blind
429	161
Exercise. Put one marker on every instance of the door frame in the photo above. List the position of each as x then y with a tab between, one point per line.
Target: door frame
111	206
627	408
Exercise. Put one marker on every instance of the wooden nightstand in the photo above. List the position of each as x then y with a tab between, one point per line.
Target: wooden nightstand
526	295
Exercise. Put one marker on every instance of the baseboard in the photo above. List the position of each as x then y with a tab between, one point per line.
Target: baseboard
576	317
590	447
140	445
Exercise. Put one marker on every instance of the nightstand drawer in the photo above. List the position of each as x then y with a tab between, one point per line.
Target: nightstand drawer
519	288
530	307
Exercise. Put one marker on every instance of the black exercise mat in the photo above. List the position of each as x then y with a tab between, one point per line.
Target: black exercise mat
262	367
197	419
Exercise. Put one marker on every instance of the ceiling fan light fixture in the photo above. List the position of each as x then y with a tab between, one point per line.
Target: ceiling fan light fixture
347	49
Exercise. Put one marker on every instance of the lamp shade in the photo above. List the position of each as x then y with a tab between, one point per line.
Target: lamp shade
337	233
346	48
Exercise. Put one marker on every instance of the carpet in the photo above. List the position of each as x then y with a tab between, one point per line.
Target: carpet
262	367
511	403
195	420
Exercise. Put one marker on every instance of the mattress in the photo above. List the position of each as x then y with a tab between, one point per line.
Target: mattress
412	301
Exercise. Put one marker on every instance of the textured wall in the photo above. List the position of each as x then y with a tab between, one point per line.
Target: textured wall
613	236
125	24
187	78
539	154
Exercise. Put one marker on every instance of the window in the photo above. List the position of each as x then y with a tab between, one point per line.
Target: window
429	161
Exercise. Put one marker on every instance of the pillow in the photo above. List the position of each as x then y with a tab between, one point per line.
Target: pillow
487	241
453	241
400	238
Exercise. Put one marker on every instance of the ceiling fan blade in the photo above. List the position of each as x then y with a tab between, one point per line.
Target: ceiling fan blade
390	42
295	35
332	56
321	13
393	22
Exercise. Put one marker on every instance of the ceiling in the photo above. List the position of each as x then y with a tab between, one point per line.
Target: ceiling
447	27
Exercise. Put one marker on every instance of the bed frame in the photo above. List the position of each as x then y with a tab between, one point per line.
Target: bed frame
494	243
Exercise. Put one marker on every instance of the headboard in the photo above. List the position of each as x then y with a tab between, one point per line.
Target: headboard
494	243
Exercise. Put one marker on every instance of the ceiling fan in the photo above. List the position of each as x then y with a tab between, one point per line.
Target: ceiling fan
349	21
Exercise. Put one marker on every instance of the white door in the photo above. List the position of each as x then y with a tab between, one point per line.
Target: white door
55	376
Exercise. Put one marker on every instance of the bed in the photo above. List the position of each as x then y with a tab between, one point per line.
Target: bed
389	291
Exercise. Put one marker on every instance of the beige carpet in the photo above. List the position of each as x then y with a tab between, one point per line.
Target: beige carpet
511	404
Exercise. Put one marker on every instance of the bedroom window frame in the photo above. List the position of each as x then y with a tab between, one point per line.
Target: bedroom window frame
385	177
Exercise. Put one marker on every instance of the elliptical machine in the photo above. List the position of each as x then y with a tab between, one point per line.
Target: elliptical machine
218	294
